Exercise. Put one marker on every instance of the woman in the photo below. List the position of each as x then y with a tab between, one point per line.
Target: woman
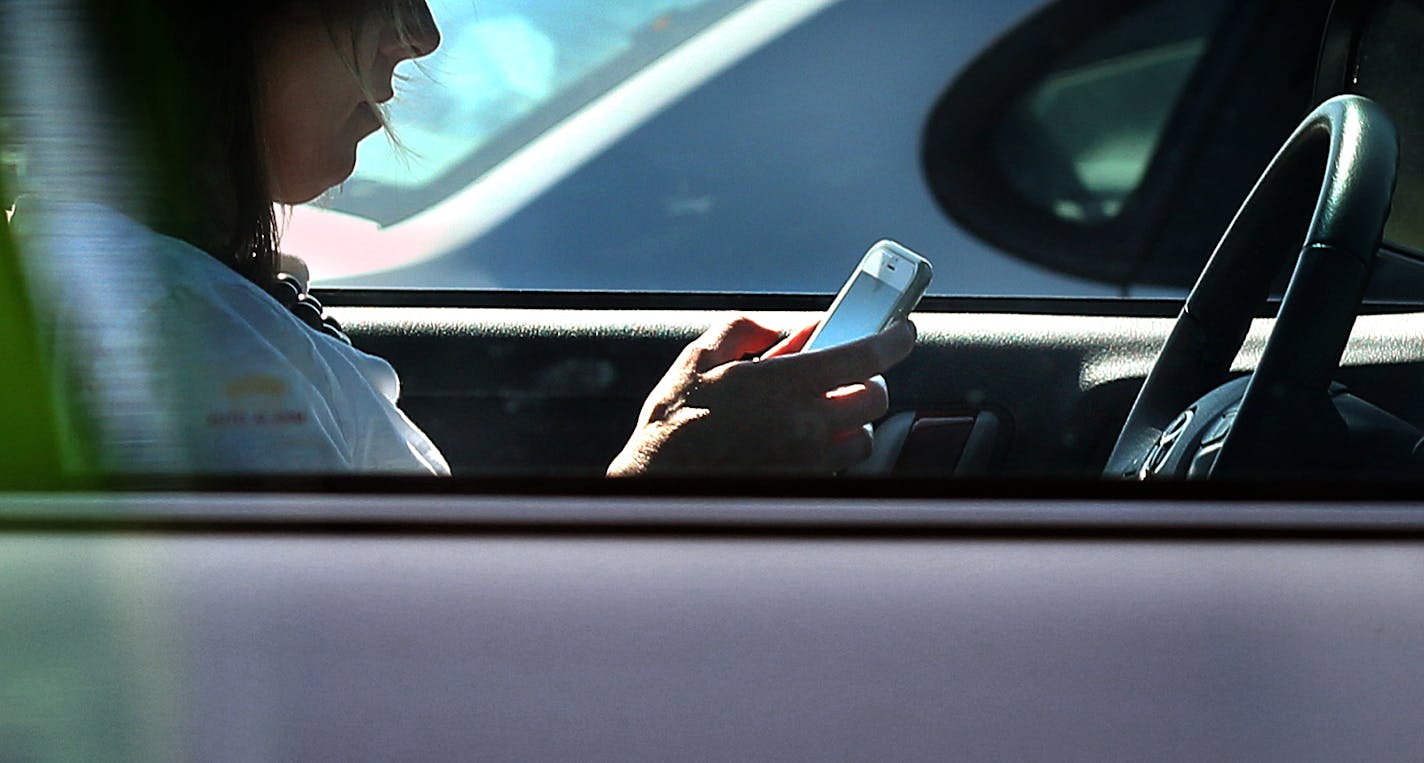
234	107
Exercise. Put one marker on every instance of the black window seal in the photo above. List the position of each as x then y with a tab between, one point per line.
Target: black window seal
765	302
731	301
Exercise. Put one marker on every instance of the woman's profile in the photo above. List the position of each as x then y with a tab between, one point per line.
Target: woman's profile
168	283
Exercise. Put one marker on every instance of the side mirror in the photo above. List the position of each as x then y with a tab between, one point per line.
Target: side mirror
1114	139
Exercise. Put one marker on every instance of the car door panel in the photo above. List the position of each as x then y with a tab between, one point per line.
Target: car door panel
509	391
405	628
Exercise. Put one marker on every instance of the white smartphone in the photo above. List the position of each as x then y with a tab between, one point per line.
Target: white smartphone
886	285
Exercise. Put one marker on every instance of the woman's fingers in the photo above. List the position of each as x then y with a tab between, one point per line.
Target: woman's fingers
790	413
856	404
848	448
793	343
734	340
847	364
836	426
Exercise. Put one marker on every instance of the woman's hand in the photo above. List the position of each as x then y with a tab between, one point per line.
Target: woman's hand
782	413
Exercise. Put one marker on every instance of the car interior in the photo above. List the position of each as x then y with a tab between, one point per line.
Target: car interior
1179	526
1032	387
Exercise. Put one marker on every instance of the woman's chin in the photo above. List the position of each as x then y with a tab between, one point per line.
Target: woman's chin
303	196
306	189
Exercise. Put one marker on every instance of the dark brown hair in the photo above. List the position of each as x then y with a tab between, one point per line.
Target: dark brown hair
182	76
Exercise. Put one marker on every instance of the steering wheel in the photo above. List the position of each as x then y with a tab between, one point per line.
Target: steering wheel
1284	416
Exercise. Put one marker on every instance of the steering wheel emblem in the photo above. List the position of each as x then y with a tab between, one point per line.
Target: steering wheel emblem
1169	437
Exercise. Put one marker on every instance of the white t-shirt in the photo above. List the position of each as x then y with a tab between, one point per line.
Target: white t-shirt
183	366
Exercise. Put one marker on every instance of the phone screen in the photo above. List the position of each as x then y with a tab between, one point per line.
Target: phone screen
860	314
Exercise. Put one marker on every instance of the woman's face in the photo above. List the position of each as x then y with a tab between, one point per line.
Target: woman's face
318	88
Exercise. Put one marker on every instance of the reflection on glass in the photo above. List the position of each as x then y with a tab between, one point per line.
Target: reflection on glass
1080	142
505	71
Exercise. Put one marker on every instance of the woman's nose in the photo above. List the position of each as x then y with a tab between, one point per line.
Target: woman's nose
418	35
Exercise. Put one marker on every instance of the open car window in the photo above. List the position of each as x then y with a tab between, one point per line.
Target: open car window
555	232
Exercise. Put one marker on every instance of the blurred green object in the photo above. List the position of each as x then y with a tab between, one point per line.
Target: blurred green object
31	450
